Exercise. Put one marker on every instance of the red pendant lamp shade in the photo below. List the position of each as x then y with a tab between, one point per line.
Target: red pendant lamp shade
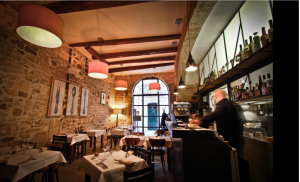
121	85
98	70
154	87
40	26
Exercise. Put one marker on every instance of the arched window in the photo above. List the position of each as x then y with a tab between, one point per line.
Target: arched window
148	107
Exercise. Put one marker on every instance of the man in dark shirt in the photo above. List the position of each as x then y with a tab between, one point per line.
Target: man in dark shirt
227	120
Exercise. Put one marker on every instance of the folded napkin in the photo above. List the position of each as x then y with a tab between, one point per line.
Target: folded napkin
4	161
121	161
130	152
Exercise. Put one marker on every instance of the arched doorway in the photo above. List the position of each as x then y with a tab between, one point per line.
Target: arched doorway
147	107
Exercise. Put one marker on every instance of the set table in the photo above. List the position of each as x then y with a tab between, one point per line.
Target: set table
15	172
144	141
114	173
119	132
94	134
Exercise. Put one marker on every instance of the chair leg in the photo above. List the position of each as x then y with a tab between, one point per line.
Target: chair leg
163	163
56	175
43	176
77	151
32	177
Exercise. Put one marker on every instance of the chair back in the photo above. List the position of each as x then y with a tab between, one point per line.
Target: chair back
56	147
139	133
140	175
144	154
132	141
61	140
157	142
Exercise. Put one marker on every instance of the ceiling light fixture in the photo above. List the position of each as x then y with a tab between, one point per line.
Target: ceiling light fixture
190	63
176	91
98	69
181	82
121	84
154	87
40	26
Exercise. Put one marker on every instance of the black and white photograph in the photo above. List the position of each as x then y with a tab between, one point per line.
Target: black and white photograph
84	105
56	97
72	100
103	98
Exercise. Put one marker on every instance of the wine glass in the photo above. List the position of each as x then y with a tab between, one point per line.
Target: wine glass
24	144
31	144
104	149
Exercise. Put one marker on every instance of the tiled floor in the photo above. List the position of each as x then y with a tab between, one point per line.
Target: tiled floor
68	172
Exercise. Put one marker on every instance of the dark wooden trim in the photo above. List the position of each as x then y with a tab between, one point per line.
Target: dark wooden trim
62	7
127	41
114	70
147	60
95	54
137	53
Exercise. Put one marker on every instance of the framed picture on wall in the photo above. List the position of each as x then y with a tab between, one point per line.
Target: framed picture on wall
72	100
57	95
84	105
103	98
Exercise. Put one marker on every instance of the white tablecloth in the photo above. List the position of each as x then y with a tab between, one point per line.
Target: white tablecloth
117	132
114	173
95	133
72	139
16	172
144	140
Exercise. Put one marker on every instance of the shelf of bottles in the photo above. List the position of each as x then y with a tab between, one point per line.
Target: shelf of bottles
224	61
260	97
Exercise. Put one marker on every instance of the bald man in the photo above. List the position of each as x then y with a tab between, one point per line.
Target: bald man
227	120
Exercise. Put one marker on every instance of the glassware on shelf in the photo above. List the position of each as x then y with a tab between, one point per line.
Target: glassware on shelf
251	44
247	49
270	31
269	81
256	40
264	37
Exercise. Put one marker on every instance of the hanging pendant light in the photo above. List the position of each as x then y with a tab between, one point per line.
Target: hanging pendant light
176	91
121	84
181	83
98	69
154	87
190	63
40	26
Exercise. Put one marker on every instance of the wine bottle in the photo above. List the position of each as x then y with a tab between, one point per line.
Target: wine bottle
264	86
256	90
259	85
251	44
241	54
264	37
256	40
247	49
215	73
247	93
269	81
270	31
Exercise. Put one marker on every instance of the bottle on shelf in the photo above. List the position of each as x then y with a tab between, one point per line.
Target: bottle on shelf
247	49
215	73
259	85
269	81
264	86
241	54
256	40
256	90
264	37
251	92
247	93
270	31
251	44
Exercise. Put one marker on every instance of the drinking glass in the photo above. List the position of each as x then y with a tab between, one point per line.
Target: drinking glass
104	149
24	144
31	144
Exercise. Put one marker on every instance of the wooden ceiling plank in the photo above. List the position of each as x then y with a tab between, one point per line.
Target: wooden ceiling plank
114	70
95	54
147	60
137	53
62	7
127	41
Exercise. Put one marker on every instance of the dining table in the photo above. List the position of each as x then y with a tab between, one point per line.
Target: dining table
144	141
15	166
93	134
114	170
71	140
116	132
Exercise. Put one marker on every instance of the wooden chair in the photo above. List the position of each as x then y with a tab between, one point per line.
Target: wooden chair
139	133
63	141
45	170
34	144
140	175
80	144
158	143
130	143
142	153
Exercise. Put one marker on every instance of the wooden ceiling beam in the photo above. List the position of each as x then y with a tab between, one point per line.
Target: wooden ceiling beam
62	7
147	60
114	70
95	54
127	41
137	53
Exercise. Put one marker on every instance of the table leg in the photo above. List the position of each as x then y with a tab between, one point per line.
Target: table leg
51	175
91	141
25	179
95	139
71	154
169	159
87	178
83	148
111	141
101	141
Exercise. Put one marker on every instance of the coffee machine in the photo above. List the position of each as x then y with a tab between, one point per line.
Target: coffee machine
182	110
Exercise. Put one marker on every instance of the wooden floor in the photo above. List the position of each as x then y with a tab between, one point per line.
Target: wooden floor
68	172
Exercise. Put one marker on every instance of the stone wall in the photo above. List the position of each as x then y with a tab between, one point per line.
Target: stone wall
124	98
26	73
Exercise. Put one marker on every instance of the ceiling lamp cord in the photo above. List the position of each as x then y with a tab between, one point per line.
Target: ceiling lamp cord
181	82
190	63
